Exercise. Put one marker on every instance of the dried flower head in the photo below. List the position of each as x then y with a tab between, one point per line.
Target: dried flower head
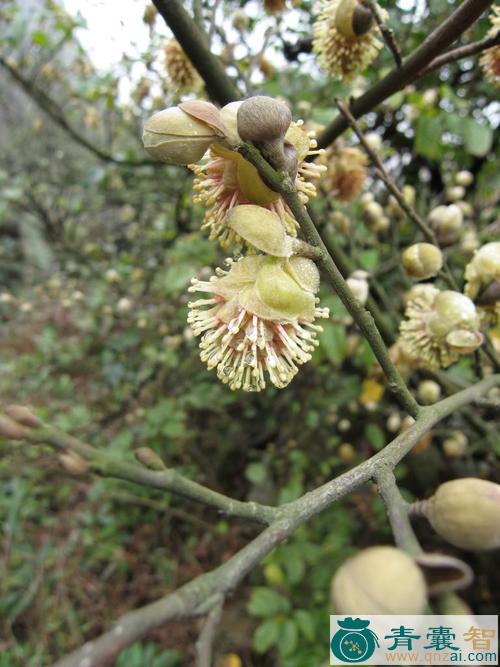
180	69
259	320
344	38
440	327
227	180
346	172
490	60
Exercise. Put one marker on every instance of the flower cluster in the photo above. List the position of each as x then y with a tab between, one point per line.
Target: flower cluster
257	321
345	37
490	60
180	70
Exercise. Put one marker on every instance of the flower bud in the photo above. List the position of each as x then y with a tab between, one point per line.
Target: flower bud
261	228
428	392
262	119
346	452
422	260
124	305
452	311
240	20
22	416
455	193
379	580
149	458
353	19
73	463
464	178
466	512
228	115
455	446
446	220
483	269
358	285
176	137
12	429
374	141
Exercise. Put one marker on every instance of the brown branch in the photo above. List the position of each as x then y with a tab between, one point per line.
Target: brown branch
461	52
195	44
413	66
387	33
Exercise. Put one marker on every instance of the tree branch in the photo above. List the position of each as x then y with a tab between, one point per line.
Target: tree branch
281	182
411	213
461	52
206	639
200	595
195	44
52	109
387	33
165	480
412	67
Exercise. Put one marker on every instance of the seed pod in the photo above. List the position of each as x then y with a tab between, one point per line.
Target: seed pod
353	19
261	228
466	513
365	584
422	260
262	119
175	137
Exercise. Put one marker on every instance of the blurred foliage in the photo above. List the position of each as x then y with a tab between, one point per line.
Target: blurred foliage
96	254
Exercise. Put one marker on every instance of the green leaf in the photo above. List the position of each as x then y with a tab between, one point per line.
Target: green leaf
428	136
288	638
478	137
333	341
40	39
306	624
375	435
266	635
265	602
256	472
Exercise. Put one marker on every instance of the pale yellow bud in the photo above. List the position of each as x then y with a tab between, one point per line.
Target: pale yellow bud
428	392
124	305
176	137
464	178
73	463
422	260
455	446
466	208
112	276
453	311
346	452
374	141
240	20
466	512
446	220
365	584
455	193
228	115
358	285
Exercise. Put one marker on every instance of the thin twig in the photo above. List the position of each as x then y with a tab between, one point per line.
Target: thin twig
461	52
412	67
387	33
204	645
381	172
166	480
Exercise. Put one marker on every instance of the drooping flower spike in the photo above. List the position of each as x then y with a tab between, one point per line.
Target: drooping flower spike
227	180
345	37
258	321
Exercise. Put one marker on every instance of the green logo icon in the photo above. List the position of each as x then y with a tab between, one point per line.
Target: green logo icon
354	642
